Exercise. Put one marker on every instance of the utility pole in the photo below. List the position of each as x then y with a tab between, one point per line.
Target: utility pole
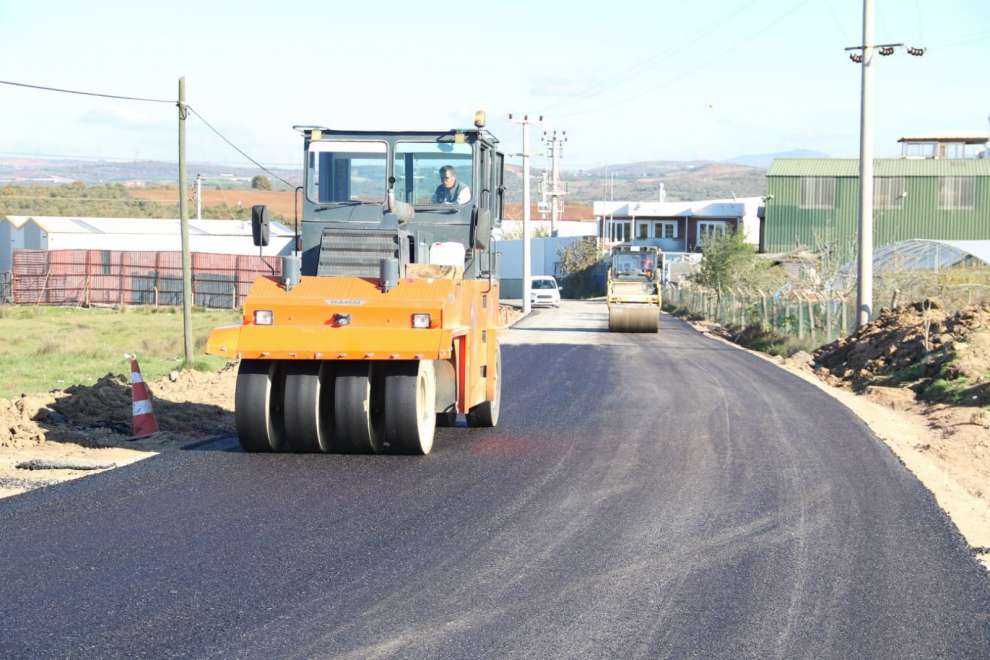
199	196
864	292
184	229
527	269
864	57
556	192
544	189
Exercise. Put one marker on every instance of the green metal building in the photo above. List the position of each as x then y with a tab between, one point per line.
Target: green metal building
814	203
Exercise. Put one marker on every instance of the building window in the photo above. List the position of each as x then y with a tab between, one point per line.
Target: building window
956	192
621	231
643	230
888	192
709	229
817	192
665	230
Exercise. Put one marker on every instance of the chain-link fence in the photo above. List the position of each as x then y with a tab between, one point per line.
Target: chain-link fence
805	315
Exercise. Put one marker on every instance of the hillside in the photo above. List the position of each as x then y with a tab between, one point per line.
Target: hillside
227	192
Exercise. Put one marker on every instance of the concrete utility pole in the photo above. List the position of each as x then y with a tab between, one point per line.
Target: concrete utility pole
863	55
556	192
527	269
184	228
864	291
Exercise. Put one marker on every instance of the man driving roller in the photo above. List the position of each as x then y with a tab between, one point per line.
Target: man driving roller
450	190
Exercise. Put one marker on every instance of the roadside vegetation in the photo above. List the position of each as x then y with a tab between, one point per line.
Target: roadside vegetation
47	348
582	269
932	337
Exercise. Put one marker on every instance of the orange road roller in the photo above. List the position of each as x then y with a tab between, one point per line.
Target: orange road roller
384	322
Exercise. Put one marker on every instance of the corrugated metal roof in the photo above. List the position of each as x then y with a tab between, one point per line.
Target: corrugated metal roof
881	167
143	226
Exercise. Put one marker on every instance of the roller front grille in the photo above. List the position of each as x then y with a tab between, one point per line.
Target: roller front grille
355	252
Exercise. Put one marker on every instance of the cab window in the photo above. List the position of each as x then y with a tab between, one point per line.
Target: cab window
345	171
433	173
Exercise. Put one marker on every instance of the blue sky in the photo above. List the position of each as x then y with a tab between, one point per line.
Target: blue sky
627	80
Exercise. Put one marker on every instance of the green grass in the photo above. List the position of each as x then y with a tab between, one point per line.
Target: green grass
944	390
46	348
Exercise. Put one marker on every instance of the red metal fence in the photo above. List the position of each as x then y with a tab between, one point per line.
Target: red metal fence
108	277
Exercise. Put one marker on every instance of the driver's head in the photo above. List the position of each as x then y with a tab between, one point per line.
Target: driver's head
448	176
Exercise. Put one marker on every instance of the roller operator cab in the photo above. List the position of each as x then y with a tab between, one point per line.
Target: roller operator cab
634	289
385	323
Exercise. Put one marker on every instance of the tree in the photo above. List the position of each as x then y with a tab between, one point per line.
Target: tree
728	261
578	256
260	182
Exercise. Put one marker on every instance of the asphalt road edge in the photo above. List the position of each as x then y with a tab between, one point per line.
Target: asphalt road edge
969	514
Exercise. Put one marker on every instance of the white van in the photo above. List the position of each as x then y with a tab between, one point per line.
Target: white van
543	290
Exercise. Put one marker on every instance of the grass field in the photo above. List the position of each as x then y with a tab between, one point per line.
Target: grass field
46	348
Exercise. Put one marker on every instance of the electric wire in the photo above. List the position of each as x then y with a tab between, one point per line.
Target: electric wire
683	74
235	147
625	76
82	93
122	97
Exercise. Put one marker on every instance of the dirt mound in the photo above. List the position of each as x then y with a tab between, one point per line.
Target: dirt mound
917	346
187	404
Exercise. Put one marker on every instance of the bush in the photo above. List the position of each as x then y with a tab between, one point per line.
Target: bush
259	182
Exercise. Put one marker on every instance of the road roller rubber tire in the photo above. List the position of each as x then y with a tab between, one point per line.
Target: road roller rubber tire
309	406
357	408
258	409
447	419
410	406
485	414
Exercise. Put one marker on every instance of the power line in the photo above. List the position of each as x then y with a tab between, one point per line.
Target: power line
149	100
625	76
235	147
734	48
82	93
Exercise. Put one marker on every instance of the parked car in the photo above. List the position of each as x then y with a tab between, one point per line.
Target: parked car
543	291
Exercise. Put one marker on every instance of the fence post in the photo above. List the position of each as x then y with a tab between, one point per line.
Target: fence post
828	319
811	317
800	317
764	317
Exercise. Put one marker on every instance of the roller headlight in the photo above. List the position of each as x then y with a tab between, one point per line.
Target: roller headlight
263	317
421	321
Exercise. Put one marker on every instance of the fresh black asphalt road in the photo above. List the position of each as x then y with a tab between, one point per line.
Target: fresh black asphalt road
643	496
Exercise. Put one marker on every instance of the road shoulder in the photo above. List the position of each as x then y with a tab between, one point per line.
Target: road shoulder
908	435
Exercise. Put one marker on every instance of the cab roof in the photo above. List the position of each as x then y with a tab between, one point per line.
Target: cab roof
481	133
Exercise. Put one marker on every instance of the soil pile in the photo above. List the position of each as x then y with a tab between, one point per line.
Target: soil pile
917	346
187	404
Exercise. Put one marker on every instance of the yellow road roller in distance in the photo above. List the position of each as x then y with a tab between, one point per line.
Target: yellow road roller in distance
634	289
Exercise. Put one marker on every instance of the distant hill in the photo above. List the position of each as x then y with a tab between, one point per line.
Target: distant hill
682	180
21	170
638	181
765	160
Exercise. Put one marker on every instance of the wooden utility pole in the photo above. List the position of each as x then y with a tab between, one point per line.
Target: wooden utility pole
184	229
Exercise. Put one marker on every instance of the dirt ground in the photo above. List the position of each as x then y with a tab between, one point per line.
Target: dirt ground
876	374
92	423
